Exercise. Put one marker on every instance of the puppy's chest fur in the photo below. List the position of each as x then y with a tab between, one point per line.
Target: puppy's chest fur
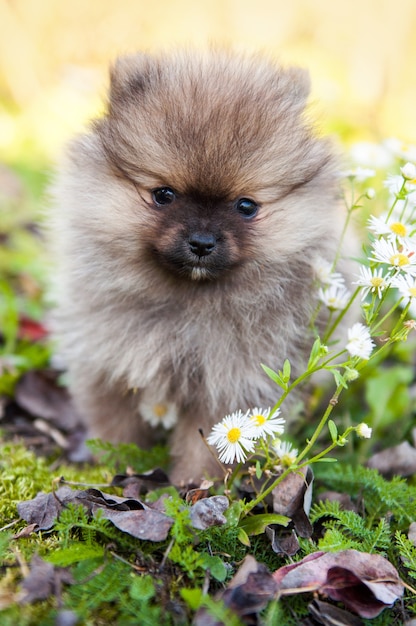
203	350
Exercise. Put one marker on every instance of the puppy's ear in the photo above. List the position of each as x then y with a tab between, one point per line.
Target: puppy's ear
128	78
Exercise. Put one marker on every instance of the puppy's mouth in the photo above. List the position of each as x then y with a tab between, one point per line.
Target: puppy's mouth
200	256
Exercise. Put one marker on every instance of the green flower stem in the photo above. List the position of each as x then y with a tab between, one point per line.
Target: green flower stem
337	321
389	312
253	503
250	505
402	195
333	402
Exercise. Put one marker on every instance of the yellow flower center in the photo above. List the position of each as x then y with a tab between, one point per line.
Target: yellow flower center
234	435
377	281
398	229
399	260
258	419
160	410
412	292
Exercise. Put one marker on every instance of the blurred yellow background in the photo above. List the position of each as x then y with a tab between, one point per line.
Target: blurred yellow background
54	56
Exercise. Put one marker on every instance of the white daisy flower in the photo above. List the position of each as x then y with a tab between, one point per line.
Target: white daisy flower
359	341
392	227
159	413
394	183
401	150
406	285
286	453
372	281
233	437
264	424
359	174
323	272
363	431
398	257
334	297
367	154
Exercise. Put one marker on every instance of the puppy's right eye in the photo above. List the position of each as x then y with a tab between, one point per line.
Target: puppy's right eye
163	195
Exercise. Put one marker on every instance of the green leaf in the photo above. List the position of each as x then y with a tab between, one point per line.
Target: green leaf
215	565
315	353
256	524
142	588
233	513
79	551
243	537
275	377
286	370
333	430
259	471
192	597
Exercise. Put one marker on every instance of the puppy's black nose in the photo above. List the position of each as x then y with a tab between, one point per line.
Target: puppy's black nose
202	244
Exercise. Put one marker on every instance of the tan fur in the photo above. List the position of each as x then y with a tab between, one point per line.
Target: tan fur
214	128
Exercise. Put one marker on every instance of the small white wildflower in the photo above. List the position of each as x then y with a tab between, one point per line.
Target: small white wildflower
401	150
323	272
372	281
370	193
359	174
264	424
398	257
334	297
406	285
369	154
359	341
393	183
409	172
233	437
392	227
363	431
159	413
286	454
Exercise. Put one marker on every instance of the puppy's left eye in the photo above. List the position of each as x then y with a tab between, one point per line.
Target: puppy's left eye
163	195
248	208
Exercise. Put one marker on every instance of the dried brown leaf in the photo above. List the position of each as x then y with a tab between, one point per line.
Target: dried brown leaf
143	524
292	497
44	580
209	512
45	507
396	461
365	583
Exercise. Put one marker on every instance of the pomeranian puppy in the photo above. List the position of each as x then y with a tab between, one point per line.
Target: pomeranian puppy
187	223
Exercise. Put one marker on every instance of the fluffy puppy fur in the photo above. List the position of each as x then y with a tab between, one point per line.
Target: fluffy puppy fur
187	221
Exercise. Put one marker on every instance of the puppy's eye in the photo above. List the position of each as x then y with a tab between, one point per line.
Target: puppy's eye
163	195
248	208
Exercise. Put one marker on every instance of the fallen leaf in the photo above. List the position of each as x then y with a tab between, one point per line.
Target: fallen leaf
365	583
396	461
44	580
45	507
247	593
31	329
143	524
283	541
39	393
128	514
209	512
330	615
292	497
135	485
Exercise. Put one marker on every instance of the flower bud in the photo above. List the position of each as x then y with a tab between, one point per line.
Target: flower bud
363	431
408	171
